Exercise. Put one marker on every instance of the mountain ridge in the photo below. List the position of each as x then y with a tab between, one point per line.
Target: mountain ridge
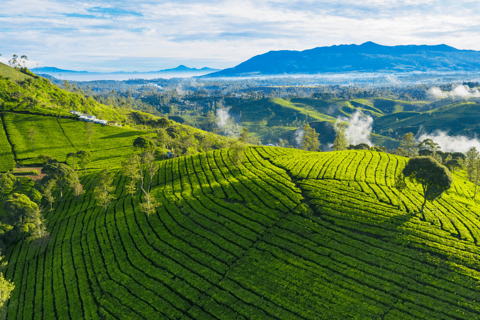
180	68
367	57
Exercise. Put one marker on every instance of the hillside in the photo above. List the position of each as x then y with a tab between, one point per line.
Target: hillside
367	57
265	240
36	104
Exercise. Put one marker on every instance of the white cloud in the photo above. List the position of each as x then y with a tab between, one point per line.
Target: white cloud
229	31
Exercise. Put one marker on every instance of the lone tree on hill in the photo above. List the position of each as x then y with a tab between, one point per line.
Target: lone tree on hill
340	142
409	145
434	177
310	139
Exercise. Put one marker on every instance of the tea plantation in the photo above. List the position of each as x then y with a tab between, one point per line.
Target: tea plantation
288	234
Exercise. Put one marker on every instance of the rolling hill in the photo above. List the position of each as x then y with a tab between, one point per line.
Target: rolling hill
367	57
265	240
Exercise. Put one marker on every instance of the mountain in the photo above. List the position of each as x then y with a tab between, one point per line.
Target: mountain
367	57
180	68
56	70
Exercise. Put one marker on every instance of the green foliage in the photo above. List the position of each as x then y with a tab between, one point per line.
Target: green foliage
409	145
434	178
62	174
103	191
310	139
340	142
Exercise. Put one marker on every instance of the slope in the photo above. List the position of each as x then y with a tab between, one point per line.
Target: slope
265	240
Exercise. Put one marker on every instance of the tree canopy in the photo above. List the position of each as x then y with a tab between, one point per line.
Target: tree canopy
434	177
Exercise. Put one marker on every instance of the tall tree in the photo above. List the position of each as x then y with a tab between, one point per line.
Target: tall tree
471	159
63	175
163	139
310	139
434	177
72	155
47	193
409	145
132	171
102	193
84	157
340	142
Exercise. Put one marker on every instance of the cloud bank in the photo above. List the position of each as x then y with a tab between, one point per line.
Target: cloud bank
449	143
145	35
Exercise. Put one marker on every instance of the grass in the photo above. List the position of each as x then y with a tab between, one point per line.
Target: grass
288	234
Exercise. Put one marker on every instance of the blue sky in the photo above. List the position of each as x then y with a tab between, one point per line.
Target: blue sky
135	35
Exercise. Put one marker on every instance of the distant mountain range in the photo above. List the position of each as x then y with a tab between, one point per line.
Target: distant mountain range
180	68
367	57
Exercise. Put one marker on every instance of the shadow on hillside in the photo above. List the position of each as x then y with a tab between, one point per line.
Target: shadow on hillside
124	135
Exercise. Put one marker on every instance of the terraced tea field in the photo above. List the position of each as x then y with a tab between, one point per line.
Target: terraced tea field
56	137
287	235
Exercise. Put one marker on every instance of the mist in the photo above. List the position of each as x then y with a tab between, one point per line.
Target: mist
449	143
299	133
227	124
359	128
460	92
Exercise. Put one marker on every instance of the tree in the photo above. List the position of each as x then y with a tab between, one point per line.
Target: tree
340	142
150	205
471	159
72	155
48	192
24	215
46	159
63	175
428	144
434	177
409	145
143	143
237	153
244	135
310	139
89	128
163	139
6	288
131	170
102	193
452	165
7	182
31	134
77	187
84	157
